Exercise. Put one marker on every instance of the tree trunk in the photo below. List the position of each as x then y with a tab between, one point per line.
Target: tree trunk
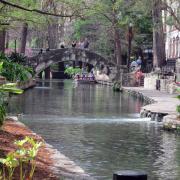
118	52
159	58
118	48
2	40
24	38
7	40
117	42
40	41
53	34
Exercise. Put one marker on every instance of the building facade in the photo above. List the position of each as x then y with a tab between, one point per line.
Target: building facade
172	35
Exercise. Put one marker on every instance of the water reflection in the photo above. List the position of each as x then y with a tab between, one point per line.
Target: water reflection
99	129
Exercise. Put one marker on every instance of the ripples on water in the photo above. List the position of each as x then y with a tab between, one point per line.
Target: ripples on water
99	129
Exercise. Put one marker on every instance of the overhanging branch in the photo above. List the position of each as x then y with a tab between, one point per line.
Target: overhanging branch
169	9
36	10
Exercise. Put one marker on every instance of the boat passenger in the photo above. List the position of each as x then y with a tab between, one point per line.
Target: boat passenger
83	76
77	76
92	76
87	77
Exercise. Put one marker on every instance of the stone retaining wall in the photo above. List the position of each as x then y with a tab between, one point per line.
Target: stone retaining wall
171	123
150	81
167	84
155	116
139	95
169	118
27	84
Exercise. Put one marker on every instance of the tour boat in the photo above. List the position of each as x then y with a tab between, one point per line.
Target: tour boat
85	80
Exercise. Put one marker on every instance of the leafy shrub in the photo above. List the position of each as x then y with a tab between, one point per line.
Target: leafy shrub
13	71
72	71
4	94
24	155
117	86
178	109
17	58
3	56
178	96
178	89
2	113
10	88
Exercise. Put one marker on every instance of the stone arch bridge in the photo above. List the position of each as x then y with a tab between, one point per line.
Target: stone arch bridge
44	60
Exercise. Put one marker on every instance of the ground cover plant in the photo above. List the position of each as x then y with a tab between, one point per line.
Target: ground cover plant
23	157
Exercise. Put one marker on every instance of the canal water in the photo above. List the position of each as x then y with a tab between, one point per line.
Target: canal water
99	129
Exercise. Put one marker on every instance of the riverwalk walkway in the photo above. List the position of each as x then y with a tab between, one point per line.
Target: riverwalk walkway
164	103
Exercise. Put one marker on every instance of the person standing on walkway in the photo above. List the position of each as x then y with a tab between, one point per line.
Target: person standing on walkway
133	65
139	61
62	45
86	43
81	44
73	44
139	75
41	51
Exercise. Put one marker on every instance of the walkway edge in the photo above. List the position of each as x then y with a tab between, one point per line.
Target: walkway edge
159	105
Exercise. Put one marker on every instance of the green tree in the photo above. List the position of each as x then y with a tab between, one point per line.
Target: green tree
155	12
173	14
112	16
32	14
155	9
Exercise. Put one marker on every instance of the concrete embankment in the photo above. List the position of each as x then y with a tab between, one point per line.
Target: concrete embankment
27	84
51	164
161	105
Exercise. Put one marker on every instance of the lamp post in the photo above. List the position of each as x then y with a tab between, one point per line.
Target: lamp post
129	37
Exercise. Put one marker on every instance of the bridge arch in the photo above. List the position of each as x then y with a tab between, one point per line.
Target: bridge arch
42	61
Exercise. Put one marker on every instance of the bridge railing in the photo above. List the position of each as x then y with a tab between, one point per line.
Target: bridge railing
36	51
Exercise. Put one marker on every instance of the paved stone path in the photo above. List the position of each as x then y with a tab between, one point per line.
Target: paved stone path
165	103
